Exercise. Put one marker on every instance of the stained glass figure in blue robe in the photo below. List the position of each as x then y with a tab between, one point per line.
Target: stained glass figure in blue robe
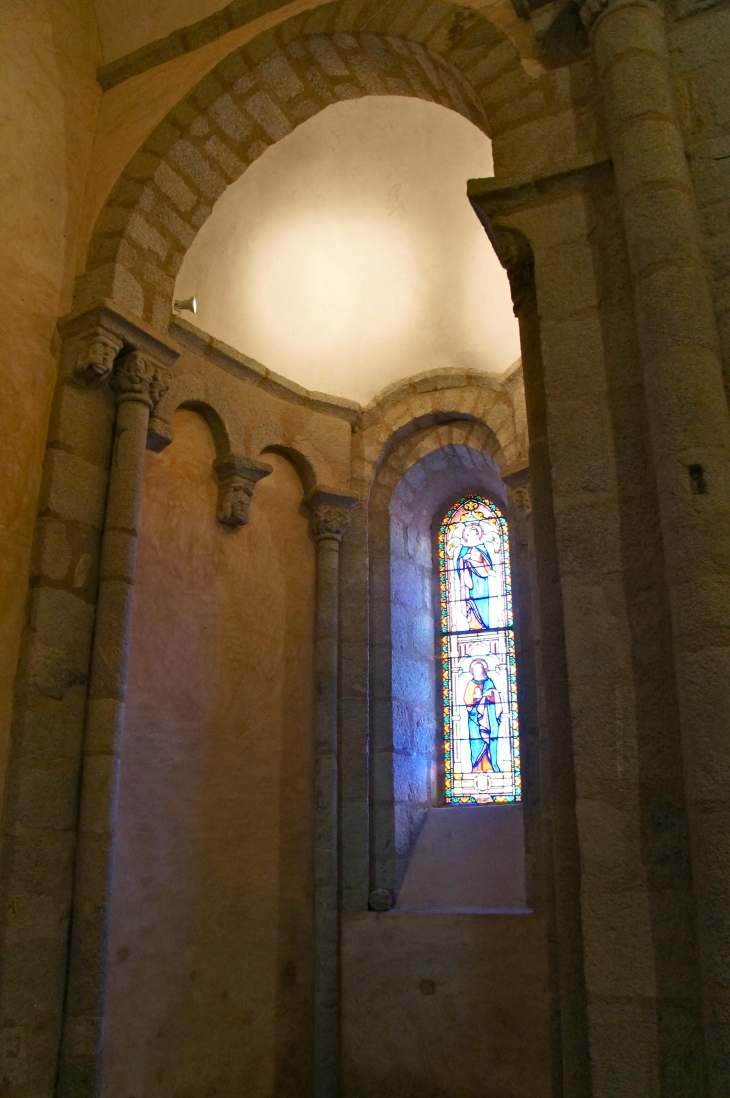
484	707
474	568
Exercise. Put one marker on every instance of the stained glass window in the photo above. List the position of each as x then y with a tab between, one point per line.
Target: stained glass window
481	736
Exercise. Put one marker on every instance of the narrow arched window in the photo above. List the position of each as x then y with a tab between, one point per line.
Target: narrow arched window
481	737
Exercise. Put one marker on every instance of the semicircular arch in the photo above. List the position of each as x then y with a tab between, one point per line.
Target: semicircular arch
254	97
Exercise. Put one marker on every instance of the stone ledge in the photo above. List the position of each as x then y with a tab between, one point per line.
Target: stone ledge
248	369
519	186
432	380
134	331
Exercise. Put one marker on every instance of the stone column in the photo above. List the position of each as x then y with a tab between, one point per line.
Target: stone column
330	518
690	437
138	382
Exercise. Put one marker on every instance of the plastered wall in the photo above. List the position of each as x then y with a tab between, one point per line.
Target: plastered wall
49	52
211	942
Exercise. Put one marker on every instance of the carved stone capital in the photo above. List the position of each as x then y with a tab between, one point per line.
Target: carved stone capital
139	377
95	360
330	513
515	255
237	478
513	252
521	499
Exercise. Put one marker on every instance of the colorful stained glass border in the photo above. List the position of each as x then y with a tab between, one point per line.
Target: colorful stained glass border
448	703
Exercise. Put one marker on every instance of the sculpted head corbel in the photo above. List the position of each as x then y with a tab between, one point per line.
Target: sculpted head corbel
237	478
95	360
330	512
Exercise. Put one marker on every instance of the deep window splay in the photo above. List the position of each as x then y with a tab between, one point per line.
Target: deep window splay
481	739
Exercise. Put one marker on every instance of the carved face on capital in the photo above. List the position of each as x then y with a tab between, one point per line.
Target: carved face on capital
136	375
234	501
101	357
96	360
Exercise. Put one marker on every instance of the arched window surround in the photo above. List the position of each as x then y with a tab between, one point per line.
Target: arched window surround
407	503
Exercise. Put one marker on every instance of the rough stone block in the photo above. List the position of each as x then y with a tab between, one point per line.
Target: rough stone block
45	795
227	115
650	152
278	74
269	116
229	162
53	553
672	303
178	227
642	27
566	281
618	923
709	164
636	84
700	41
62	620
125	289
661	227
588	535
73	488
47	728
197	169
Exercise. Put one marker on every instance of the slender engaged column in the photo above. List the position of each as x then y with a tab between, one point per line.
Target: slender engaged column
330	519
138	383
690	435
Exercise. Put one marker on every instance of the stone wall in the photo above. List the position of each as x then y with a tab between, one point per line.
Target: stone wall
700	55
628	457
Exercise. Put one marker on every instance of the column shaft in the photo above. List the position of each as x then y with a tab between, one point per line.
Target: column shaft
690	436
83	1038
330	518
326	933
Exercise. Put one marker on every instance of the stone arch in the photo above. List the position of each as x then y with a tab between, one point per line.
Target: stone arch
455	27
187	391
441	398
304	466
258	94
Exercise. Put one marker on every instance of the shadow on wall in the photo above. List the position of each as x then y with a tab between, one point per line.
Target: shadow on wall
418	504
210	981
434	1005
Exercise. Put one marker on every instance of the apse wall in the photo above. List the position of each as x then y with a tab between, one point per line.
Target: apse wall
347	257
210	983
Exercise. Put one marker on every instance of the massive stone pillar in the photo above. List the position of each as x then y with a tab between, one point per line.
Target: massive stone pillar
690	438
41	806
330	518
138	382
